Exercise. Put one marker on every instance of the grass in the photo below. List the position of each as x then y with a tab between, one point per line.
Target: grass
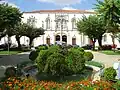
10	52
110	52
93	63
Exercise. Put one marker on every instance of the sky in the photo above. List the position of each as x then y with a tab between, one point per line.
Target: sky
31	5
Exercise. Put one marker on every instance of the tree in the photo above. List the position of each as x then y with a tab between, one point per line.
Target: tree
9	17
92	26
110	10
19	31
32	33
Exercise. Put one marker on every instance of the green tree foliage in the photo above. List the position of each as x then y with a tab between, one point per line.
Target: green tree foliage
32	33
9	17
110	11
93	27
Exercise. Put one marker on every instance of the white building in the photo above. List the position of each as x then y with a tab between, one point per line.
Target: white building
59	25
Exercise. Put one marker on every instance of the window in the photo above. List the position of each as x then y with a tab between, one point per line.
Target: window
42	24
73	23
57	24
48	23
105	38
31	21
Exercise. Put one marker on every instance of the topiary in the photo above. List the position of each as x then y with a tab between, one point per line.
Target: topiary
57	65
10	72
88	56
81	49
41	48
75	60
33	55
44	54
109	73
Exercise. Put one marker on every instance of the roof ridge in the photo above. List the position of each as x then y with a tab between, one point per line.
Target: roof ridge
60	10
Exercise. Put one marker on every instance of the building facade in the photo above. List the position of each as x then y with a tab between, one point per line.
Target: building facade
59	25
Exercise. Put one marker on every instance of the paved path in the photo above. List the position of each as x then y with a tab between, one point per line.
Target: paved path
107	60
11	60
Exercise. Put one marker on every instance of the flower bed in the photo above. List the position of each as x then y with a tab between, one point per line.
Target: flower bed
31	84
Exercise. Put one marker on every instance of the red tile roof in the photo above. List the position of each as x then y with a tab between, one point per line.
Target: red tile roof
61	11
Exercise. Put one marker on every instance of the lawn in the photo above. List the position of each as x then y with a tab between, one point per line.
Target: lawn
93	63
110	52
10	52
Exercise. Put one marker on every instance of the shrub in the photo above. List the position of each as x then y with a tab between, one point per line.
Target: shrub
10	72
43	56
41	48
81	49
69	46
56	64
88	56
33	55
75	60
106	47
60	61
87	47
109	73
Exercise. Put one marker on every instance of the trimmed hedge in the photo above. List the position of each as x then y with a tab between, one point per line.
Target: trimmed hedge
88	56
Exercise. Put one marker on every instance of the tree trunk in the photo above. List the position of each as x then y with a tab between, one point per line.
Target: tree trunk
100	41
30	42
18	41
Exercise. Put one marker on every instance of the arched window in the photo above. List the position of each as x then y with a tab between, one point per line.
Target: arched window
31	21
42	24
74	40
74	22
105	38
48	22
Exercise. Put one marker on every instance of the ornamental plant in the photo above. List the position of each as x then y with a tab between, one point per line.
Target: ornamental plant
60	61
88	56
10	72
109	73
75	60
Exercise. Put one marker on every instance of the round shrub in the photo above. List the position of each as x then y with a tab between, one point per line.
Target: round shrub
109	73
10	72
43	56
81	49
41	60
33	55
57	65
75	60
41	48
88	56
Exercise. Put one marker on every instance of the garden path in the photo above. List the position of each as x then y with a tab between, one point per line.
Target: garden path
11	60
107	60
